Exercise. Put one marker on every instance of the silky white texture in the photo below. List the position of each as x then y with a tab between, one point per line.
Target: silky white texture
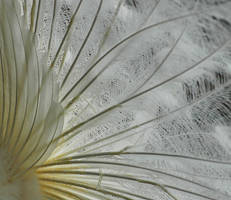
145	89
30	115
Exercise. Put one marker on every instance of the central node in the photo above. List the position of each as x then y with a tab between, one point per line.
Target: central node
23	188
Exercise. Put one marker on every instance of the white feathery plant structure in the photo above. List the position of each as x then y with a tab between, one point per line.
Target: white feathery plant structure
115	99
